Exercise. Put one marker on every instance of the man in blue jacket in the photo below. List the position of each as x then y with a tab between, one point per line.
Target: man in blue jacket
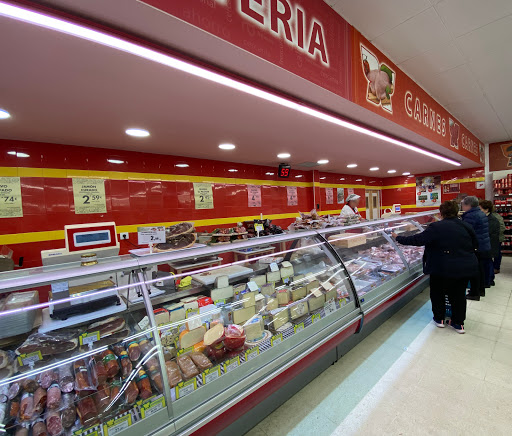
477	219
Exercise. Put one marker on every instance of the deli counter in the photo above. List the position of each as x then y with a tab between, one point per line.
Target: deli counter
134	349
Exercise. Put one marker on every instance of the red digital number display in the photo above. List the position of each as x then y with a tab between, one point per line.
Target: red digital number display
284	171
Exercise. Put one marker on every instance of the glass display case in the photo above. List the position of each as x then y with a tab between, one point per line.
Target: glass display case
134	344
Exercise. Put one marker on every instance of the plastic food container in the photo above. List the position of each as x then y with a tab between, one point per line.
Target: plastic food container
19	322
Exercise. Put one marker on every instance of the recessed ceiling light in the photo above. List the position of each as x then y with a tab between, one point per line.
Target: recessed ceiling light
4	114
300	175
283	155
182	165
323	178
322	162
269	174
359	180
351	165
115	161
12	153
232	170
343	178
374	169
391	171
227	146
406	174
138	133
18	154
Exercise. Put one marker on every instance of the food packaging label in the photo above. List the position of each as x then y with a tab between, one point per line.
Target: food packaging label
30	358
89	338
253	287
330	307
149	408
298	327
231	364
315	318
274	267
185	388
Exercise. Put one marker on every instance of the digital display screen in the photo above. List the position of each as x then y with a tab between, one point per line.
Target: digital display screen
87	238
284	171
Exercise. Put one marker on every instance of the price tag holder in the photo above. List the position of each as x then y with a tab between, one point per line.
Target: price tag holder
211	374
298	328
151	407
151	235
185	388
231	364
274	267
330	307
253	287
315	318
252	353
276	340
194	320
30	358
116	426
89	338
91	431
258	227
185	350
220	302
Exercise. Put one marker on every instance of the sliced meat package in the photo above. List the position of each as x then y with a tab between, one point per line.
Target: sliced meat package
53	397
54	423
126	364
200	360
84	381
49	343
102	397
144	385
187	366
40	397
173	373
134	350
66	378
111	364
87	411
131	393
26	407
68	410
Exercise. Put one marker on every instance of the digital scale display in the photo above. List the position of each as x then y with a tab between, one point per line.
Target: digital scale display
284	171
88	238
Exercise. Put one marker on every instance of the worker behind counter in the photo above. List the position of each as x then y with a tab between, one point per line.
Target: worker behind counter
350	209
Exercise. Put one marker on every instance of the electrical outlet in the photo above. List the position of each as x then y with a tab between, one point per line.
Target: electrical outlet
123	235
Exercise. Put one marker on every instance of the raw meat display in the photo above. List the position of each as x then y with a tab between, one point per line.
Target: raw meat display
49	343
54	423
173	373
111	364
200	360
144	385
39	428
107	326
39	400
29	384
26	407
68	410
101	372
66	379
46	378
178	229
131	393
86	410
134	351
53	397
187	367
102	397
176	243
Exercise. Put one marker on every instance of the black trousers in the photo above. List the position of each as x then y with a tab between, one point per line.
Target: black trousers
478	280
456	291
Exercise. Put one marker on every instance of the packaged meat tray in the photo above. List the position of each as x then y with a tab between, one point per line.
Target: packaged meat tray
19	322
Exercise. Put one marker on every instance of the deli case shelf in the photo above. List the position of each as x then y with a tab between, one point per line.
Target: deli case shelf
187	348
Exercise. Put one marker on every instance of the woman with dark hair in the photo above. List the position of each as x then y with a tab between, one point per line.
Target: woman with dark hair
494	234
450	259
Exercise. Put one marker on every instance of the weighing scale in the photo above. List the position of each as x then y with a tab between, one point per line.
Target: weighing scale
395	210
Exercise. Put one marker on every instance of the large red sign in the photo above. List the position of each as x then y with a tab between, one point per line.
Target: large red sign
500	156
380	86
305	37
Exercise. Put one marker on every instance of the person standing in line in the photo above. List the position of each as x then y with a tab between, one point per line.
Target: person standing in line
450	259
476	218
494	235
497	259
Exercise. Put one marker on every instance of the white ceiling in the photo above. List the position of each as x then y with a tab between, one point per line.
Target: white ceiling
457	50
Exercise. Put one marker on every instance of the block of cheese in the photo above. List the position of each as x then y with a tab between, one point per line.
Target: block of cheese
299	278
188	338
273	276
298	293
286	269
252	286
190	303
222	282
312	285
298	309
283	297
222	293
272	304
331	295
193	320
213	335
327	285
238	289
248	299
241	315
279	317
260	302
259	280
315	303
268	289
162	316
176	312
347	240
253	328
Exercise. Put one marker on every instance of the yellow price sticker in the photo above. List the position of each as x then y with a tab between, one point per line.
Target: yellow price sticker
252	353
149	408
185	350
231	364
211	374
30	358
298	328
277	339
316	317
185	388
89	338
116	426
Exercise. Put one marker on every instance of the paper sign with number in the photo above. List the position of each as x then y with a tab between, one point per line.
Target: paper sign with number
203	195
89	196
329	196
340	192
10	197
254	195
116	426
151	235
291	193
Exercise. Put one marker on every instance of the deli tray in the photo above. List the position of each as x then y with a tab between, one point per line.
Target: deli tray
141	252
232	272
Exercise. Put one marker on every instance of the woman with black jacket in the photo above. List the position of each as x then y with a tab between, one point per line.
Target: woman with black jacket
494	235
450	259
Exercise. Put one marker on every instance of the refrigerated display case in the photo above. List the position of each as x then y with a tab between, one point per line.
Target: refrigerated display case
188	352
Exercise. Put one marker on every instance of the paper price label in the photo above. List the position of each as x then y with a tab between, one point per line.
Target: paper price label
191	312
29	359
330	307
203	195
185	388
10	197
116	426
185	350
222	302
89	338
252	353
151	407
231	364
258	227
89	196
316	317
211	374
87	431
274	267
298	328
276	340
151	235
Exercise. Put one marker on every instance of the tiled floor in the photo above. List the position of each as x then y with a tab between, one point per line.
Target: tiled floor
411	378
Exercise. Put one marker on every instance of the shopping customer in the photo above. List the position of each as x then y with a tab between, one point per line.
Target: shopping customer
450	259
497	259
494	235
476	218
350	209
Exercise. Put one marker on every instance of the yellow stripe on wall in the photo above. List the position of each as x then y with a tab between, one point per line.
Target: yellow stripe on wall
474	179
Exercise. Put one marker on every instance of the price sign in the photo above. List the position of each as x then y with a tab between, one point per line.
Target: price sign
89	338
185	350
30	358
185	388
151	407
254	195
91	431
316	317
231	364
203	195
330	307
291	195
276	340
298	328
151	235
10	197
219	302
274	267
329	196
252	353
116	426
89	196
259	227
211	374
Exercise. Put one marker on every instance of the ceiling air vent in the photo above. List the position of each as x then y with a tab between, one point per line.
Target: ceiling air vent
307	164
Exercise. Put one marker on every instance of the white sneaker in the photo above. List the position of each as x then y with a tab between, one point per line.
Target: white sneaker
439	323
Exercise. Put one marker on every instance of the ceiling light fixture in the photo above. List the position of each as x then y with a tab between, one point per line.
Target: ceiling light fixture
359	180
374	169
269	174
115	161
115	42
4	114
343	178
351	165
232	170
137	133
182	165
227	146
391	171
284	155
322	162
18	154
406	174
300	175
323	178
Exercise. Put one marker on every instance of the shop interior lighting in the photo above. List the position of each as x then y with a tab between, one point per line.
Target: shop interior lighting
269	174
18	154
352	166
115	42
391	171
374	169
4	114
359	180
300	175
227	146
322	162
115	161
343	178
284	155
182	165
232	170
323	178
138	133
406	174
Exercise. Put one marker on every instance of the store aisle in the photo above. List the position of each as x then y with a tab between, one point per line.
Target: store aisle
411	378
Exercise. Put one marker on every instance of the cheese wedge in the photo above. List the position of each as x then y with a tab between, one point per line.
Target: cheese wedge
279	318
260	302
176	312
312	285
248	299
222	282
298	309
259	280
239	316
268	289
283	297
214	334
286	270
161	316
272	304
273	276
330	295
253	328
222	293
188	338
315	303
298	293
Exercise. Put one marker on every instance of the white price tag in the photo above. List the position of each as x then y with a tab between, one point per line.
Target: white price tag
298	328
276	340
252	353
258	227
185	388
274	267
116	426
29	359
151	235
330	307
231	364
253	287
211	374
152	407
89	338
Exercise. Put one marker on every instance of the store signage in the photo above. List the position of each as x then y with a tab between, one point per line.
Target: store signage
428	191
151	235
340	194
291	193
203	195
500	156
451	188
10	197
89	196
329	196
254	195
